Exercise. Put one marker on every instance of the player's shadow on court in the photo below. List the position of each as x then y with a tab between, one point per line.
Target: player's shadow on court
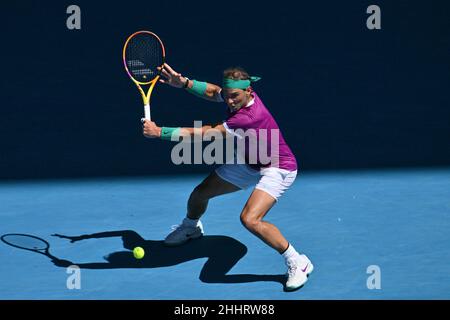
222	253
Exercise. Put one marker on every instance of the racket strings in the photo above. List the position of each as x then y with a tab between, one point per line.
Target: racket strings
143	55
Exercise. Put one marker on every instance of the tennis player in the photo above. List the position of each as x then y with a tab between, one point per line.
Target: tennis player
246	111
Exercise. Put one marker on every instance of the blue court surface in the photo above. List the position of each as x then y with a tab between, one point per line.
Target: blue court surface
346	222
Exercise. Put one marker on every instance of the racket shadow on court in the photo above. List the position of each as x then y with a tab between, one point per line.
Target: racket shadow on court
32	243
222	252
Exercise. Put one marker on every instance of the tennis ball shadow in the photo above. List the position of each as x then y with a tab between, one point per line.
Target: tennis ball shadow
222	252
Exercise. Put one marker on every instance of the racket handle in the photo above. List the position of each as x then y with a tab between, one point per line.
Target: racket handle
147	112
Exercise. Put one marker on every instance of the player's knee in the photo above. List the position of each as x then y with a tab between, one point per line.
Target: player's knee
249	222
200	193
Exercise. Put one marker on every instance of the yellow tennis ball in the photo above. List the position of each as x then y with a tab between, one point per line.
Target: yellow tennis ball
138	252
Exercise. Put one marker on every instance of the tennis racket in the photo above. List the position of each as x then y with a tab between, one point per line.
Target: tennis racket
28	242
143	58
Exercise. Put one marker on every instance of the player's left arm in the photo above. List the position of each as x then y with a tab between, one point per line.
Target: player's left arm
204	90
151	130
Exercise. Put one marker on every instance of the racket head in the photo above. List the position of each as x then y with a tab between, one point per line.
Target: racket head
143	54
26	242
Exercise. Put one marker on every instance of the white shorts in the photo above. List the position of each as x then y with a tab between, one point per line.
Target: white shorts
274	181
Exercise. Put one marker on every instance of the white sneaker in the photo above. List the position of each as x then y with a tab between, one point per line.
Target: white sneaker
298	272
182	233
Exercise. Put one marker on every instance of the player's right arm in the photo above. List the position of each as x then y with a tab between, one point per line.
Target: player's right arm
204	90
151	130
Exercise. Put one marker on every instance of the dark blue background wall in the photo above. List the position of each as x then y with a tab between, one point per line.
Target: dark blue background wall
344	96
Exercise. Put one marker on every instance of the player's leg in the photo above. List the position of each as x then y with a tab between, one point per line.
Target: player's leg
191	227
209	188
257	206
272	184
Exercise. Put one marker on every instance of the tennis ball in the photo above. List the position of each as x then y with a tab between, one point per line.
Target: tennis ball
138	252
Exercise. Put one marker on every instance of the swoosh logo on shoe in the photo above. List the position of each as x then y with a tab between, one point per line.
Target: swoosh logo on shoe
303	270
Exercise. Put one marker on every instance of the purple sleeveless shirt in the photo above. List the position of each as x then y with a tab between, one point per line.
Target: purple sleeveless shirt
256	119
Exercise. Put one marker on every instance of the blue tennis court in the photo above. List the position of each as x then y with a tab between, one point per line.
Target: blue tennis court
359	92
397	220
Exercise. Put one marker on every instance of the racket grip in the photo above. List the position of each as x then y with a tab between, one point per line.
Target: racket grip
147	112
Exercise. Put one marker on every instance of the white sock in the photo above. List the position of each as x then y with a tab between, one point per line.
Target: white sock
190	222
290	253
